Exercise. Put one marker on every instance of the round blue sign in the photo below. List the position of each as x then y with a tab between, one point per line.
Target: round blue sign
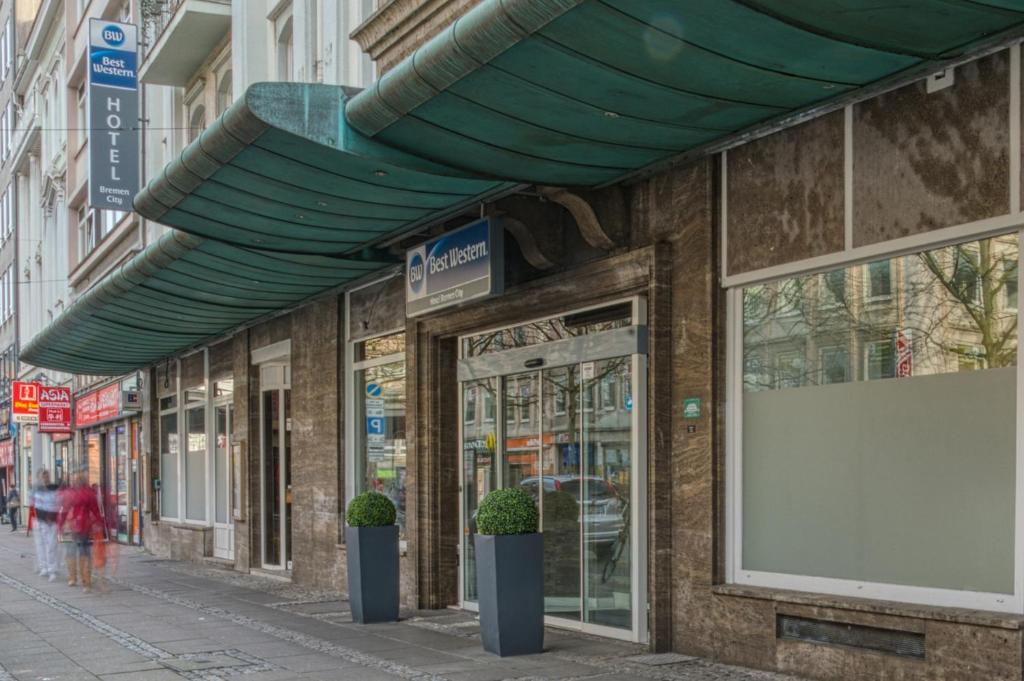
113	35
417	273
373	390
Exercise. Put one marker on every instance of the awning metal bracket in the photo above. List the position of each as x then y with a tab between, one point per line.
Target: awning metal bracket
586	219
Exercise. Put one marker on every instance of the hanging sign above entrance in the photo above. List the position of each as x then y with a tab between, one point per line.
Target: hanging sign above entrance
54	409
454	268
25	402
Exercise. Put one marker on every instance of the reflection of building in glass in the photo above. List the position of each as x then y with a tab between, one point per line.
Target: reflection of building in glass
380	422
947	310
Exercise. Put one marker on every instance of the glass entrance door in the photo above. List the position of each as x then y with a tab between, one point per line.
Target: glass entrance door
275	473
571	436
223	525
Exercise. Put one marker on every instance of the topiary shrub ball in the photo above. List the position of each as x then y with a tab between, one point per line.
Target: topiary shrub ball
507	511
370	509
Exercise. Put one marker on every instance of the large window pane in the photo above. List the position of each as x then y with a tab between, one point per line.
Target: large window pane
558	328
221	470
195	464
380	433
168	465
879	421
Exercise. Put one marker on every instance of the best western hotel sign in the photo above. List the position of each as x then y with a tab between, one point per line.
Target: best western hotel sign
454	268
113	115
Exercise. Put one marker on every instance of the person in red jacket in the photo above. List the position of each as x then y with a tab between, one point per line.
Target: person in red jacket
80	516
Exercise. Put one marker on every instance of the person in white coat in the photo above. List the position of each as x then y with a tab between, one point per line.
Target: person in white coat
44	497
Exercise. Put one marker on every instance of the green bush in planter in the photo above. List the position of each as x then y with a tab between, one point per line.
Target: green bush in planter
370	509
507	511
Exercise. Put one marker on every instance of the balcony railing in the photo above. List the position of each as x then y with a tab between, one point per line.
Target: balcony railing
157	16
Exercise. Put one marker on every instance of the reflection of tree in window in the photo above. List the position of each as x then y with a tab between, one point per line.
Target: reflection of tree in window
834	284
954	307
791	369
965	277
1011	283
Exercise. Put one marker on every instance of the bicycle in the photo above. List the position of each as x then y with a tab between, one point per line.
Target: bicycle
617	548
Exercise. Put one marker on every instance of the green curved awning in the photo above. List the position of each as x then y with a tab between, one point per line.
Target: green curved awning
179	291
585	92
281	170
289	193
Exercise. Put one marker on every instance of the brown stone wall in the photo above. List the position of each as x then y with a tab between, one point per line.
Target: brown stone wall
926	161
376	309
221	360
243	435
920	162
400	26
785	196
315	439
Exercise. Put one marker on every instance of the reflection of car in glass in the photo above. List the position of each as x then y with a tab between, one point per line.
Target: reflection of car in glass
602	508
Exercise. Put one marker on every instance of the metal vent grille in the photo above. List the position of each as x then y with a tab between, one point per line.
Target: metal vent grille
902	643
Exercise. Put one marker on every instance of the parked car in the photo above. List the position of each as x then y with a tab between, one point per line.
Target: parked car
602	508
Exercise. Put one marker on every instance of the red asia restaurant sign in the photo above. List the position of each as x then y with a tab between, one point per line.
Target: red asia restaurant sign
24	402
98	406
54	409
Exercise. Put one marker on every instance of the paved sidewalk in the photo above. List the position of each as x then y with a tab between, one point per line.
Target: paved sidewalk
166	620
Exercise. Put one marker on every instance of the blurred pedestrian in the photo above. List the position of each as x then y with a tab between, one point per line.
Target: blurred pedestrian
13	507
80	515
47	507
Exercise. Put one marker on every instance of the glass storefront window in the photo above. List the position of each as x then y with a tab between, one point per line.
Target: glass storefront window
380	443
547	330
878	421
382	346
168	463
195	464
225	387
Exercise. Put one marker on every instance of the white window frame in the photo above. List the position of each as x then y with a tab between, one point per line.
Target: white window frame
735	574
82	114
351	367
176	410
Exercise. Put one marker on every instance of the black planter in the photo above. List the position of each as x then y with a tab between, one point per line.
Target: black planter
510	589
372	557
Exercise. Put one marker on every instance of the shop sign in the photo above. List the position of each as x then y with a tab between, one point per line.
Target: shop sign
98	406
904	355
6	427
113	114
25	402
6	453
467	264
374	427
54	409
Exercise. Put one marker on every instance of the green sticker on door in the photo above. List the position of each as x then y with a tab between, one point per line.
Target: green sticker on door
691	408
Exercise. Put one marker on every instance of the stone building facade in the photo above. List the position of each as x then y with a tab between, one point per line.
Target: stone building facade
820	385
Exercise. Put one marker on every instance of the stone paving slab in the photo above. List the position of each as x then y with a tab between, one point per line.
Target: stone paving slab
167	620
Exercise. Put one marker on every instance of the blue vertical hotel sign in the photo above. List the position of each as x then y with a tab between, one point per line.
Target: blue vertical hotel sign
454	268
113	114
